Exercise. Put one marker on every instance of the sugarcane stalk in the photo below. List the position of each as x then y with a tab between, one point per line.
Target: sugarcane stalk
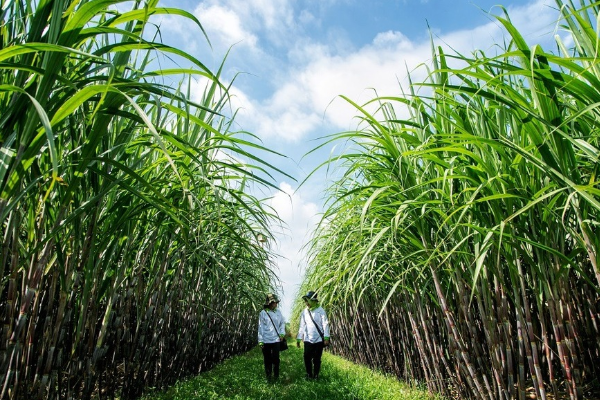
491	331
531	342
463	355
562	353
423	354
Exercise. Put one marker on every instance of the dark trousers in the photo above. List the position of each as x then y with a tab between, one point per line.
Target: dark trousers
312	358
271	359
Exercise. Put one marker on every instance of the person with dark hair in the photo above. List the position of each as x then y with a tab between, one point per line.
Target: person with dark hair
271	332
314	331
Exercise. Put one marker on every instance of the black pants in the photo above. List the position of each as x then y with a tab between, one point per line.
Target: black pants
312	358
271	359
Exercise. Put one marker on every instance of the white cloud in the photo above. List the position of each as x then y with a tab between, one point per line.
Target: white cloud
231	21
300	216
306	17
390	39
313	85
310	97
307	84
225	26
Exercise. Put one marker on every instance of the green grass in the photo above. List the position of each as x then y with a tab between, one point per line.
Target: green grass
242	377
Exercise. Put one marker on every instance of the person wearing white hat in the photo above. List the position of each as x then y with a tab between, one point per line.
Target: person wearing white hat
271	332
314	331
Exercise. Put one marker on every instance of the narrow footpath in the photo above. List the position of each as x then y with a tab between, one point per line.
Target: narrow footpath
242	378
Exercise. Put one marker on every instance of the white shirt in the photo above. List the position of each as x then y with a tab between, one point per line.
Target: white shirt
308	331
266	330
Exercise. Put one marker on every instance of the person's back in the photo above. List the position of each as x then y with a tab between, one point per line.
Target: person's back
314	332
271	331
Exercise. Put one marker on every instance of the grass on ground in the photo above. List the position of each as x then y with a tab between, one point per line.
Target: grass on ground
243	378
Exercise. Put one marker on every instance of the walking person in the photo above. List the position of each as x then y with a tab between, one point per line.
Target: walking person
271	332
314	331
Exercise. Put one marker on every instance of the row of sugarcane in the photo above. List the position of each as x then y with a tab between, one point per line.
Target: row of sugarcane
460	244
129	232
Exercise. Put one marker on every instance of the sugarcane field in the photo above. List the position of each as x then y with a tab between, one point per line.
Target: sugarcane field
199	194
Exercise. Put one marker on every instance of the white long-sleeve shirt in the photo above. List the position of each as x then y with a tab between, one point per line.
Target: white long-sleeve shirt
307	330
266	330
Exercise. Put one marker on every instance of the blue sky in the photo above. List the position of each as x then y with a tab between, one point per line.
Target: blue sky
293	59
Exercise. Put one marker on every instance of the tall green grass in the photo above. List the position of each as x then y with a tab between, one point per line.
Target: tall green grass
460	247
129	238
